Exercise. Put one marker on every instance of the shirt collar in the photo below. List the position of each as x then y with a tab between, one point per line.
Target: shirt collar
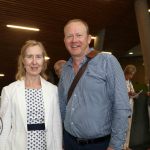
69	63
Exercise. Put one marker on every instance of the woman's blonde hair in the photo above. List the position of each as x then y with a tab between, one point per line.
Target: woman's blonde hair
21	70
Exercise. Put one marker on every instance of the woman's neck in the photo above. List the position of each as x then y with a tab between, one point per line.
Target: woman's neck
32	82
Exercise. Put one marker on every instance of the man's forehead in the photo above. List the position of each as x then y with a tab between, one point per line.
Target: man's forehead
75	25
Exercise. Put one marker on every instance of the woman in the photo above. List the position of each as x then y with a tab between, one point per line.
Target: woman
29	107
129	72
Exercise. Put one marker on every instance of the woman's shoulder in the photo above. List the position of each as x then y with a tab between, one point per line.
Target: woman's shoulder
10	89
49	84
12	85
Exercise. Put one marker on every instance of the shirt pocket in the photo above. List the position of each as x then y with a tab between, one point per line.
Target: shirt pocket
96	75
94	80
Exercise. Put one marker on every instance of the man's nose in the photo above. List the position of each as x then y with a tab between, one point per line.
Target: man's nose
74	38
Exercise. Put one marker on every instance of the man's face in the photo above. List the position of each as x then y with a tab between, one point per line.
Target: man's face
58	68
76	39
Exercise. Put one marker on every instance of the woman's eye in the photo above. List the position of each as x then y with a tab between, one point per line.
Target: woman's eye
28	56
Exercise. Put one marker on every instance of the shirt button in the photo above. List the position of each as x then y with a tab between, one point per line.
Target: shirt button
71	123
72	109
75	95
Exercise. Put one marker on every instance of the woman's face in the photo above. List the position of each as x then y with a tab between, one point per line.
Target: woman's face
33	60
129	76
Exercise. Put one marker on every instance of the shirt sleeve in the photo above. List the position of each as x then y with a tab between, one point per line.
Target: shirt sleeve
120	102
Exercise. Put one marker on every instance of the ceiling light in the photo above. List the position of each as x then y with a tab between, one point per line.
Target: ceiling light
47	58
93	37
148	10
106	52
2	75
130	53
22	27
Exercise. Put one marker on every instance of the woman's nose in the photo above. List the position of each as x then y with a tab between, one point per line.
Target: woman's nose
34	61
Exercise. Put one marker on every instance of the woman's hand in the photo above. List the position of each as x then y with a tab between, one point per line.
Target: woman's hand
131	94
148	93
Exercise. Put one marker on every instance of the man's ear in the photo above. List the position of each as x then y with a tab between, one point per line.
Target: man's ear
89	38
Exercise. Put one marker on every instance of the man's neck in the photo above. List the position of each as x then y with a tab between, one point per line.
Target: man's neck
77	61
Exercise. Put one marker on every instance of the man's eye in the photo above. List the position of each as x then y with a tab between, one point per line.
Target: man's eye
69	36
39	56
79	35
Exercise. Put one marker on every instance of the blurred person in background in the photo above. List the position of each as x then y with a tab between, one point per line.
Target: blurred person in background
129	73
58	67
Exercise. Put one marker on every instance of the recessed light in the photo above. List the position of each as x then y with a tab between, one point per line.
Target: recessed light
130	53
106	52
2	75
47	58
93	37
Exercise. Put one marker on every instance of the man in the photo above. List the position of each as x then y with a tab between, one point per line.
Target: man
95	118
58	67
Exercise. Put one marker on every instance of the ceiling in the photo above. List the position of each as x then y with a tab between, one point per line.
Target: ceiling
116	16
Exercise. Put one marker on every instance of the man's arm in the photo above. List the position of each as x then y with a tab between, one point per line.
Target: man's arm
120	103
